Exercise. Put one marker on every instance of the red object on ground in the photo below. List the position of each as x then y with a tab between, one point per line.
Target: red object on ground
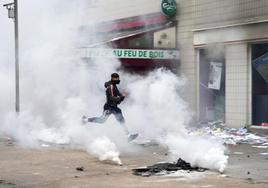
264	124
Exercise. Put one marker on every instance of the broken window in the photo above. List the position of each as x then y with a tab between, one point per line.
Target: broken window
212	84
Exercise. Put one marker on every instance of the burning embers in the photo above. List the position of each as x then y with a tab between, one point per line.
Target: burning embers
166	168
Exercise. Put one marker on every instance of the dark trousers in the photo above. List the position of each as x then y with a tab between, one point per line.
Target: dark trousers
107	111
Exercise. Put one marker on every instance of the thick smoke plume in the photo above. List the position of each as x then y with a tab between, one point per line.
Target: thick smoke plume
58	87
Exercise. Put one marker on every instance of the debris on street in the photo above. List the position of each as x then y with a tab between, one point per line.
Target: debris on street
6	184
264	124
264	154
229	136
260	147
80	168
166	168
238	153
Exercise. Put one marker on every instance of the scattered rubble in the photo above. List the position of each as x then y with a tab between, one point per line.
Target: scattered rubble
260	147
230	136
238	153
80	168
6	184
264	154
166	168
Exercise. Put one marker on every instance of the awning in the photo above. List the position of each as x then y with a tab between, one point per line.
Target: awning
133	22
123	28
118	36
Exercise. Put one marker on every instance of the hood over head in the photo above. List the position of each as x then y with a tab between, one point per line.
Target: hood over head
107	84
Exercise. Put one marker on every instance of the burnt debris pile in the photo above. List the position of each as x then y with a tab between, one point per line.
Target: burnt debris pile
166	168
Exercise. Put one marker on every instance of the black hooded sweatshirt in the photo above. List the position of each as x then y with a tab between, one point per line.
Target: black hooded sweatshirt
113	96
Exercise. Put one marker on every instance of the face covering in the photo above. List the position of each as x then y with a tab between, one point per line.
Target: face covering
115	81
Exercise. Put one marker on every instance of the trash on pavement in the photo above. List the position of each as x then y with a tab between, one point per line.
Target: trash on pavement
80	168
260	147
166	168
264	124
229	136
238	153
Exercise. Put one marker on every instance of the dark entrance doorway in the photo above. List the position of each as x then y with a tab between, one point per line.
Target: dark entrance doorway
259	84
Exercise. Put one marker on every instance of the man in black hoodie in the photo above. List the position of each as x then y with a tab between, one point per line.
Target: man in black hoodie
113	98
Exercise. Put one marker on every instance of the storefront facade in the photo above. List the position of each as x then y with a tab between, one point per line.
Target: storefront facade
235	37
141	43
222	51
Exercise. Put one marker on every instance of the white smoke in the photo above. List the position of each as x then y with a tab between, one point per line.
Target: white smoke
57	88
197	150
105	149
154	105
156	110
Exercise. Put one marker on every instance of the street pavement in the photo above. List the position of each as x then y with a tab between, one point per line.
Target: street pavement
248	162
57	167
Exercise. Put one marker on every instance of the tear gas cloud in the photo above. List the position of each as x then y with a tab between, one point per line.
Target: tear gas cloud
57	88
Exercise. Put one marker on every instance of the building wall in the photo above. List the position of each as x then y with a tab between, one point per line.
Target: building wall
237	40
165	38
243	33
188	63
213	13
108	10
237	84
236	24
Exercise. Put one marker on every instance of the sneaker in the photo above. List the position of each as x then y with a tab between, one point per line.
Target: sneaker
132	137
84	119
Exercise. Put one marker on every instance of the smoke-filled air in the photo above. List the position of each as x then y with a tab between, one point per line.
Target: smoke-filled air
58	88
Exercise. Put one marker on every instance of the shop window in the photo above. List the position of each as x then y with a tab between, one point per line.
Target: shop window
212	85
143	42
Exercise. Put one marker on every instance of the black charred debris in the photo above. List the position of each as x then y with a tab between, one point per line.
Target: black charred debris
166	168
80	168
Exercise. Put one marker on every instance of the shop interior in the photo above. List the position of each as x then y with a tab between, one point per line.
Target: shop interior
259	84
212	85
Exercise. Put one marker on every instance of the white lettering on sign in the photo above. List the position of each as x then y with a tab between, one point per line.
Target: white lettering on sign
129	53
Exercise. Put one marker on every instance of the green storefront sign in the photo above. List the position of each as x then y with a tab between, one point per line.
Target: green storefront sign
129	53
168	7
